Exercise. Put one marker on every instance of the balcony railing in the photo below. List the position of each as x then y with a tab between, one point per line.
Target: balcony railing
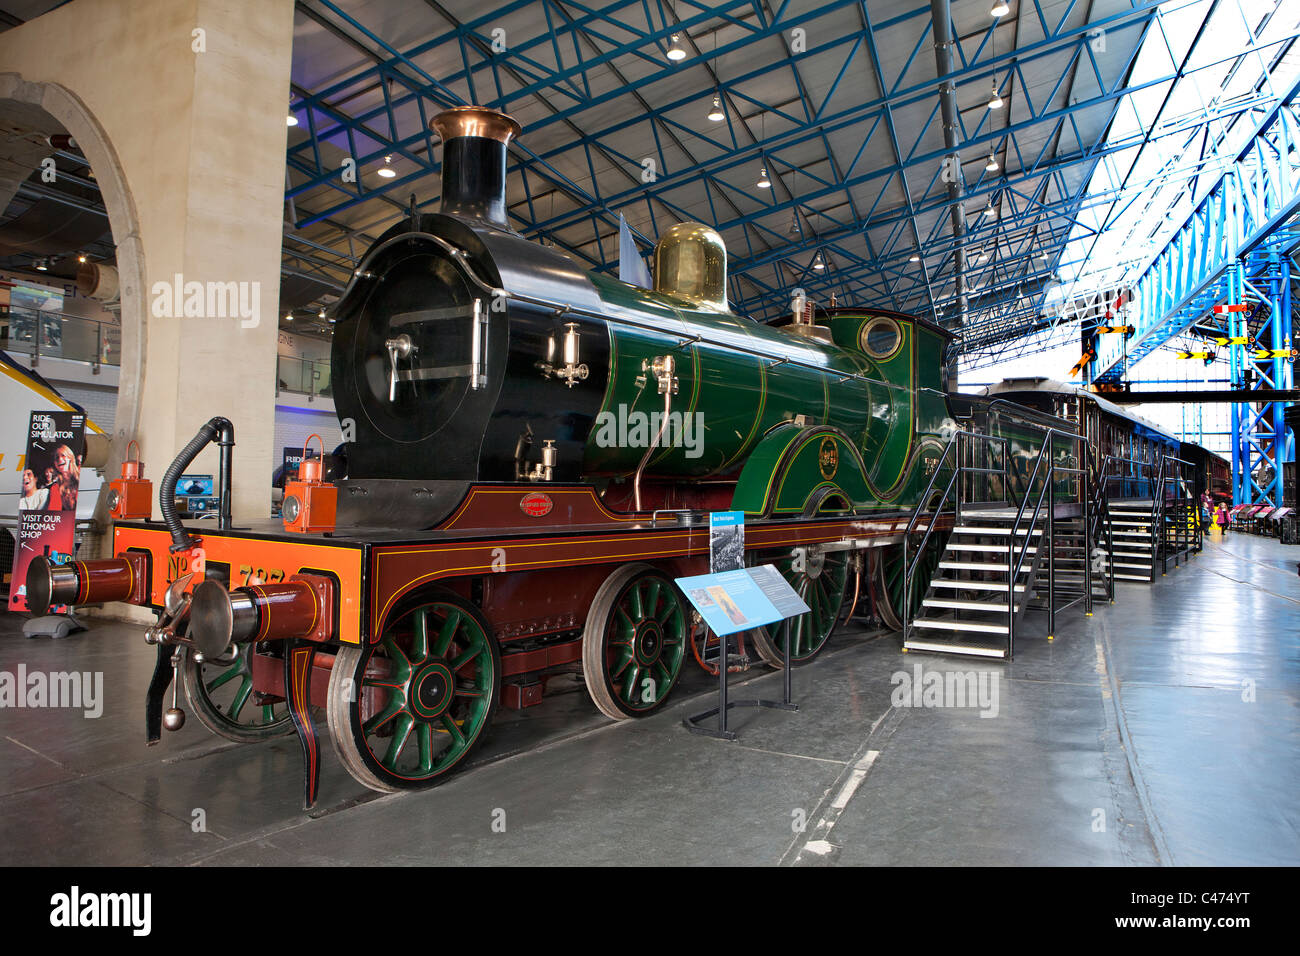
303	376
39	334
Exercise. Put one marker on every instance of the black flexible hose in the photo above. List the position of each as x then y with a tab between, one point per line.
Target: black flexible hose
181	540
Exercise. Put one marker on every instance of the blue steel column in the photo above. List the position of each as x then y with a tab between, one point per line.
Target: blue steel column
1236	376
1260	442
1283	369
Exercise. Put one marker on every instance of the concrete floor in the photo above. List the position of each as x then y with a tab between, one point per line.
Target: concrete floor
1161	731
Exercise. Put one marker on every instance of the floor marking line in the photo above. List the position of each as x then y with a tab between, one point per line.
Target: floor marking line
782	753
38	753
812	844
1163	854
1251	584
851	785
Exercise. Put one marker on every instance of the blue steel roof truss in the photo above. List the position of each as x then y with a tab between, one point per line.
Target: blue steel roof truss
846	211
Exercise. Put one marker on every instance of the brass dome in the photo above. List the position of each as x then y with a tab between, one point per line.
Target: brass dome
690	261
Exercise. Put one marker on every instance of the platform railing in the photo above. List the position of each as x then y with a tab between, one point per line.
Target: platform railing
1100	524
1172	510
1015	562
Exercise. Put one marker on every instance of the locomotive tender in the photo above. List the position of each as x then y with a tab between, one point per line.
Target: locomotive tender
532	449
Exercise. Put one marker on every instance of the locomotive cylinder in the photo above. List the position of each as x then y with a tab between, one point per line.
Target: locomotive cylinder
262	612
80	582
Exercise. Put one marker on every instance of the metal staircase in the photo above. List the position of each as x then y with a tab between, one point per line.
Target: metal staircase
1133	555
1147	533
969	607
1003	556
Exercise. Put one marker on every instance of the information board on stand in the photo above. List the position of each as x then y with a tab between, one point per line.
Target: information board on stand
734	598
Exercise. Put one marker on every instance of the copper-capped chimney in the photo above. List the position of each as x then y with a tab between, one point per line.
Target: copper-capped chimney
474	141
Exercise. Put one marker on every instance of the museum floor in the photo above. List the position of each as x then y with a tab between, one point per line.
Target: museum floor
1160	731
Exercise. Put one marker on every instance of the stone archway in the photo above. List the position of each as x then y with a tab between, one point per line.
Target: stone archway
73	115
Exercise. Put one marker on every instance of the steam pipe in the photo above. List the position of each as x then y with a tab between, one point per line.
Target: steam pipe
217	428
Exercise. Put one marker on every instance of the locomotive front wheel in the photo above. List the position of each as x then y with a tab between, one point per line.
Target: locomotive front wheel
406	711
220	693
634	642
821	579
887	580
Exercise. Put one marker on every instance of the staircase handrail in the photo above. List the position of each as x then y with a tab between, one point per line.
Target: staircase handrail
959	469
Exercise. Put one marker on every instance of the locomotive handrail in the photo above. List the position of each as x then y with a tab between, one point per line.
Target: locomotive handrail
562	308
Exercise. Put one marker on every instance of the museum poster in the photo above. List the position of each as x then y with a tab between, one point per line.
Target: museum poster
726	541
47	509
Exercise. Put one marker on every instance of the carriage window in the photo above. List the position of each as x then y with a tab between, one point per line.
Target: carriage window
881	338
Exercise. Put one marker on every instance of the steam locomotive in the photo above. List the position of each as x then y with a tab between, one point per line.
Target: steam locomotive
532	453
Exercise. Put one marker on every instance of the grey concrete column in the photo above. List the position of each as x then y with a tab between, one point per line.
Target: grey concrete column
180	107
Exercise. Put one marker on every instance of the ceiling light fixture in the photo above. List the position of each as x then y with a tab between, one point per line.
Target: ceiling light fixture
818	264
288	317
914	257
995	101
81	258
763	181
291	120
992	164
1000	9
675	51
42	265
716	113
387	170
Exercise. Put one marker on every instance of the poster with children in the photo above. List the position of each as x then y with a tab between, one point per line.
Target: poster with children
51	480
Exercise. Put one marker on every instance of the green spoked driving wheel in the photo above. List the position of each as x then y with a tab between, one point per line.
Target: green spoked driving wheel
821	579
887	579
634	642
406	711
220	694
